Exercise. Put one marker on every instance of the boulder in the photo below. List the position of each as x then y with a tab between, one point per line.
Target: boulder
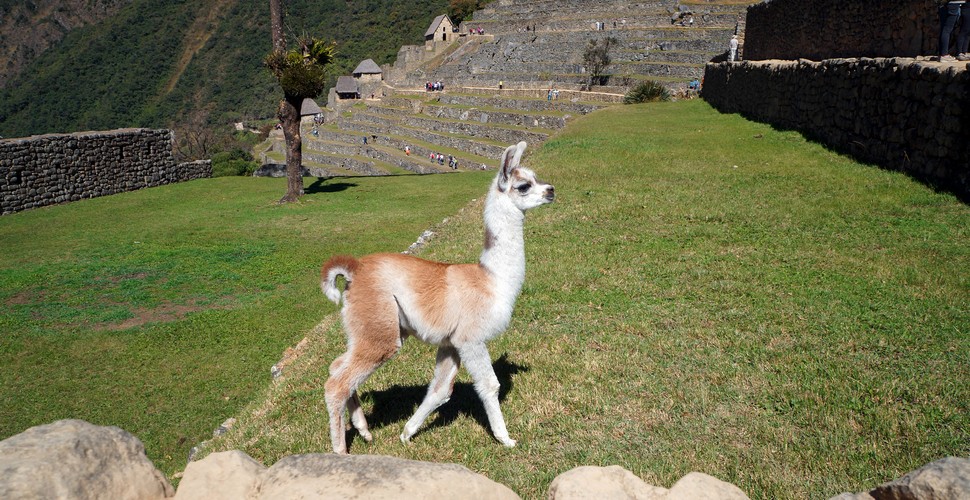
700	486
590	482
78	460
225	475
373	477
944	479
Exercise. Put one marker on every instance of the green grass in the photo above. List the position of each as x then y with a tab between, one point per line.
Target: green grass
706	294
162	310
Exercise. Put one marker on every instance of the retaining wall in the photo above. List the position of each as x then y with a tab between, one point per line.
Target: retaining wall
900	113
48	169
827	29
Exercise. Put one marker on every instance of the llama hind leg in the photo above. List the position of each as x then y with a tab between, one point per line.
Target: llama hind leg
479	366
347	373
439	391
353	404
357	417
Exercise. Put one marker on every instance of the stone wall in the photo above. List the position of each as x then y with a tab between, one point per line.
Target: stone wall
900	113
47	169
826	29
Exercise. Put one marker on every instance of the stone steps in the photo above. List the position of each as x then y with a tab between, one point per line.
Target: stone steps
587	22
475	121
609	10
396	143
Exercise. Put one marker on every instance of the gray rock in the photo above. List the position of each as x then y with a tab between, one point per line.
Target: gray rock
944	479
228	475
613	482
373	477
699	486
78	460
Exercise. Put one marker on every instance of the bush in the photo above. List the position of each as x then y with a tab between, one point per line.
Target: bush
235	162
648	91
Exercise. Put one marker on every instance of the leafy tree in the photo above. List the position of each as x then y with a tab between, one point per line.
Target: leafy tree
597	58
459	10
302	73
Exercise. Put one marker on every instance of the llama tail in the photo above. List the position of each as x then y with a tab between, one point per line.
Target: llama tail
340	265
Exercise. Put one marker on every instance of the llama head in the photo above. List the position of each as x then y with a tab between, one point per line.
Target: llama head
519	184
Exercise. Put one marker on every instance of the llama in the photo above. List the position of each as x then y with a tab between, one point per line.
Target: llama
458	307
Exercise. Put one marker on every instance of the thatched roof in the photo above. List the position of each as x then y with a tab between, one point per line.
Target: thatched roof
434	25
367	67
309	107
347	85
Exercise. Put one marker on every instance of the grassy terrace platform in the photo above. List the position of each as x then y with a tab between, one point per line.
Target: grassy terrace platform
707	293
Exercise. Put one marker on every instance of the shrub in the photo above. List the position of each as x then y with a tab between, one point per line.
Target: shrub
648	91
235	162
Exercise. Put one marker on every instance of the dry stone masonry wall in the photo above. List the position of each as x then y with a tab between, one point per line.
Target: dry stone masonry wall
57	168
826	29
900	113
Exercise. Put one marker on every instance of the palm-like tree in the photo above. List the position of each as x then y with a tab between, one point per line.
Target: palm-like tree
302	73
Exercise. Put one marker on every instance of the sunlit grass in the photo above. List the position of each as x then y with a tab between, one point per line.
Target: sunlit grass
161	311
706	294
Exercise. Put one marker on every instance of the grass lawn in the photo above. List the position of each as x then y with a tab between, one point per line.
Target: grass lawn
161	311
706	294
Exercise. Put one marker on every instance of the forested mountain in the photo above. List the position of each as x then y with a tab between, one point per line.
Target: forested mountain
164	64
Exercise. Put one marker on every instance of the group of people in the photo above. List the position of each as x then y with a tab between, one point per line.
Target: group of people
434	86
552	93
476	31
440	159
951	12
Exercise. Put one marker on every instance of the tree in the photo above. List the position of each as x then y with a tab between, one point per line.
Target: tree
459	10
597	58
302	73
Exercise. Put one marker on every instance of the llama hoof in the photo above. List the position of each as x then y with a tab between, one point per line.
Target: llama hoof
366	435
507	441
405	438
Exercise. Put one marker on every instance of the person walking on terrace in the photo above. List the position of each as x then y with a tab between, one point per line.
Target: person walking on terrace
733	55
952	11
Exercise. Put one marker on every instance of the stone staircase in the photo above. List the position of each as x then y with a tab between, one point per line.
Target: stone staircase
473	119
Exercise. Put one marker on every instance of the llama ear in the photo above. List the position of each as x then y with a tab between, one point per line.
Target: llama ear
510	161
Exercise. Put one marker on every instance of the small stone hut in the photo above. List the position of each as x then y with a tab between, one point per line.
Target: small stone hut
441	30
347	88
309	109
368	71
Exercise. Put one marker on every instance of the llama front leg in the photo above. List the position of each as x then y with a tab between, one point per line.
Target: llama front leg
479	366
439	391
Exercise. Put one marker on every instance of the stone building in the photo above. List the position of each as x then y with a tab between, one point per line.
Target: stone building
441	30
347	88
368	71
309	109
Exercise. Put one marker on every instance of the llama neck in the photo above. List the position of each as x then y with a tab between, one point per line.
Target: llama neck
504	253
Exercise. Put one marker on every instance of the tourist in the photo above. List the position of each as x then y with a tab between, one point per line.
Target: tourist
501	84
733	55
407	150
950	13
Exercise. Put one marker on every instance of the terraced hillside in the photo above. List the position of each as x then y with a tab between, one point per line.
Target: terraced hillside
541	43
529	46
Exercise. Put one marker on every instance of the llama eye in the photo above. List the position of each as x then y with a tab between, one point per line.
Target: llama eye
523	188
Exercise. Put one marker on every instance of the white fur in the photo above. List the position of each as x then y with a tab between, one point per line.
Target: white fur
456	307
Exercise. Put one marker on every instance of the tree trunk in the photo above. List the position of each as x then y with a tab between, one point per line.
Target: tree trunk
289	116
276	24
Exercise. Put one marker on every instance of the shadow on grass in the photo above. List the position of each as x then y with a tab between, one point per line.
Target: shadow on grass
398	403
322	186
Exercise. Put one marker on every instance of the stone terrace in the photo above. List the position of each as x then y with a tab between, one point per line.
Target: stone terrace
473	120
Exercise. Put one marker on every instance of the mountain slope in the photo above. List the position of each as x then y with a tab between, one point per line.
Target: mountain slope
128	70
28	28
